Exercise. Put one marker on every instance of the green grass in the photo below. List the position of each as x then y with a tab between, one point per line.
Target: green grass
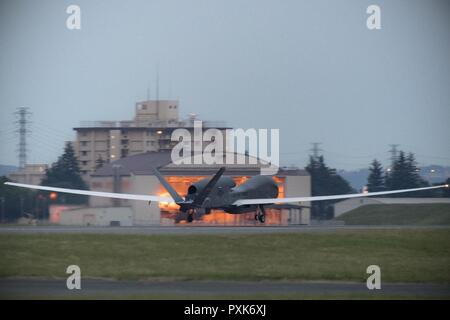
398	214
403	255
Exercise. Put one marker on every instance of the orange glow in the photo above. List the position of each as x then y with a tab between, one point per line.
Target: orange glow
53	196
182	183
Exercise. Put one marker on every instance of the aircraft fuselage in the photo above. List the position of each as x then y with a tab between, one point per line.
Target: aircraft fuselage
225	193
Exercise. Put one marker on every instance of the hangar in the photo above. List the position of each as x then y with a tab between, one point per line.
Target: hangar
134	174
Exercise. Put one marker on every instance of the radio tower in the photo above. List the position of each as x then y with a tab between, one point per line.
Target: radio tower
22	114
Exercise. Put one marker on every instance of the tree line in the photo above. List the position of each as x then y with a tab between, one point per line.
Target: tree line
403	174
64	173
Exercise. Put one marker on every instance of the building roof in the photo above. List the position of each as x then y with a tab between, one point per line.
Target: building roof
148	127
143	164
137	163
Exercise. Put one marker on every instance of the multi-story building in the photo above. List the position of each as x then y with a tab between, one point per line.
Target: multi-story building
101	142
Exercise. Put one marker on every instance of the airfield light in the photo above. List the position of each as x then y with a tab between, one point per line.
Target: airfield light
113	156
159	132
446	185
53	196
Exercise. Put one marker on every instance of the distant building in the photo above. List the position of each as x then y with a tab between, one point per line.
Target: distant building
150	130
30	174
134	174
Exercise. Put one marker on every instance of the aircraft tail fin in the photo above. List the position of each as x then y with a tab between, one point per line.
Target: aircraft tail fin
168	187
207	190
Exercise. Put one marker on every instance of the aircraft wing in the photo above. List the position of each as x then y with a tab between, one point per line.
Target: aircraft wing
334	197
95	193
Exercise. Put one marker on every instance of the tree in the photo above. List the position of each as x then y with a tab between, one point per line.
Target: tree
15	202
375	181
405	175
65	173
325	181
99	162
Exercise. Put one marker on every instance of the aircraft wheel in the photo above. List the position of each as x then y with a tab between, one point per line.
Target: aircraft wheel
262	218
190	218
256	217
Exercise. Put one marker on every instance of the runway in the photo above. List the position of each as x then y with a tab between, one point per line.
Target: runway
97	289
152	230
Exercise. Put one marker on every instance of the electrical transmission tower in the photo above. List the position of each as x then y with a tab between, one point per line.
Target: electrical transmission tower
22	122
315	149
394	152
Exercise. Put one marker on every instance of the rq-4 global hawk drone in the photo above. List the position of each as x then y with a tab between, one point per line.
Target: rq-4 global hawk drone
220	192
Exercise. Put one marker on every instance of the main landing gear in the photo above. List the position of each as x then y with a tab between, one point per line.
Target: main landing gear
260	214
196	213
190	215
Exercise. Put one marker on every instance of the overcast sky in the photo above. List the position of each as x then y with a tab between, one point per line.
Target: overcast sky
310	68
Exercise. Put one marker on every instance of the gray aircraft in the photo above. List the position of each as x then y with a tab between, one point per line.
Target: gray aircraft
220	192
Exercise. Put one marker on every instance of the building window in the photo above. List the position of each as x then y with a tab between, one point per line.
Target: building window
84	153
84	143
84	163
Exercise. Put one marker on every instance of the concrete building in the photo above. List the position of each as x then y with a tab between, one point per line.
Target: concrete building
30	174
351	204
134	174
150	130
